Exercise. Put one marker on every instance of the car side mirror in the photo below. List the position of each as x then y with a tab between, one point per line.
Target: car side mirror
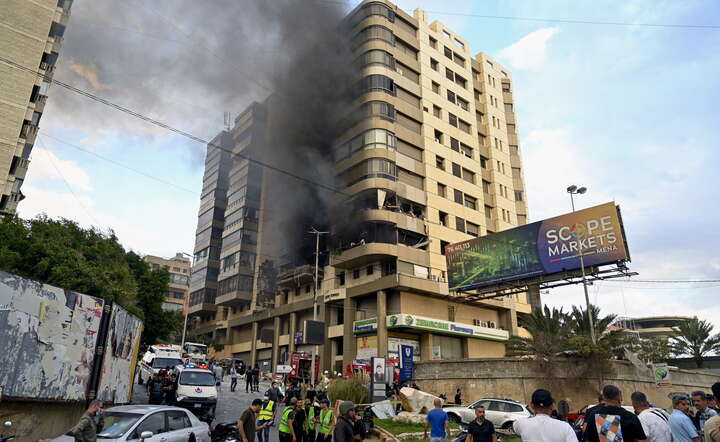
146	435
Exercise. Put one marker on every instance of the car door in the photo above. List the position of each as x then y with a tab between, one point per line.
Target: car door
494	412
155	422
179	426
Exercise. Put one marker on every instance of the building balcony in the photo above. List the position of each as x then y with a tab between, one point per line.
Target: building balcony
364	254
56	44
507	97
40	103
298	276
402	281
234	298
203	307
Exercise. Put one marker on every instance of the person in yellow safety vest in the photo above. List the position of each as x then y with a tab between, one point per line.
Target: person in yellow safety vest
266	416
310	422
326	419
286	431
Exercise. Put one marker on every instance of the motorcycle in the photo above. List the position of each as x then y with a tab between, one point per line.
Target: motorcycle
7	425
223	432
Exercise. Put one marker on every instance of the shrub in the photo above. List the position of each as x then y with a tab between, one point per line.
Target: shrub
348	389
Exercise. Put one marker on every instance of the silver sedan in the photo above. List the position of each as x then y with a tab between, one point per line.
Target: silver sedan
149	423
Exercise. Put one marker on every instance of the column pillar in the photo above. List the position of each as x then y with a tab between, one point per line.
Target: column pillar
275	344
382	331
508	320
349	341
253	344
426	343
325	351
533	295
293	329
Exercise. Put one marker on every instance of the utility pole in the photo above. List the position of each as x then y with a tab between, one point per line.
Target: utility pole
316	349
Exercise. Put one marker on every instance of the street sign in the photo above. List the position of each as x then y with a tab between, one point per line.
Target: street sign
283	369
298	337
662	375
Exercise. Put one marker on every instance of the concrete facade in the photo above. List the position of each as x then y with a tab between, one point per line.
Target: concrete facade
435	161
518	378
31	34
178	288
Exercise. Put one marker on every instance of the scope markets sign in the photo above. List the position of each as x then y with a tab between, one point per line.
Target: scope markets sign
545	247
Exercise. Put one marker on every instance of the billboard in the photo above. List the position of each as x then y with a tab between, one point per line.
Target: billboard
542	248
118	367
48	337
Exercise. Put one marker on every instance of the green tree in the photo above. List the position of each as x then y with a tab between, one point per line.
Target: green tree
89	261
610	343
549	330
653	349
695	338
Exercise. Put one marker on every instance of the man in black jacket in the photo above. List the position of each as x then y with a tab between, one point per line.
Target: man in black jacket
344	427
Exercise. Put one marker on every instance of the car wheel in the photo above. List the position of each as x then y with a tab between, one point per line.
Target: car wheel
508	426
454	418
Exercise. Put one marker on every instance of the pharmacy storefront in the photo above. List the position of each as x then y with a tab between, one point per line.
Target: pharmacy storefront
445	339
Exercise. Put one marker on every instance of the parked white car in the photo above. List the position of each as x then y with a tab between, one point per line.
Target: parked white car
148	423
501	412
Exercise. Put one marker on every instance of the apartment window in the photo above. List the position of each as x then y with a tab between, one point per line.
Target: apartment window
456	170
486	186
443	244
458	196
34	94
462	103
499	168
436	87
437	111
434	64
482	139
464	126
341	278
514	149
468	176
443	218
488	212
451	96
467	150
376	83
454	144
458	43
442	190
374	32
448	53
511	128
489	63
497	145
472	229
450	75
451	313
518	195
508	107
460	81
369	270
479	117
470	202
438	136
356	274
483	162
376	56
506	87
433	42
478	94
459	224
516	173
453	120
439	162
459	60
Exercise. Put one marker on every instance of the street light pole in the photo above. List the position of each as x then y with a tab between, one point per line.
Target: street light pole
316	349
187	312
572	190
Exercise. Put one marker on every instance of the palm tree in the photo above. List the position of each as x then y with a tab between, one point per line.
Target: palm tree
549	330
694	338
609	342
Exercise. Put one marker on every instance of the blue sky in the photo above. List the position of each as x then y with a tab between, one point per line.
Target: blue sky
628	111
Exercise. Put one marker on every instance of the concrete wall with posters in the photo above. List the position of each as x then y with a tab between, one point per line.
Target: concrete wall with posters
48	338
118	367
518	378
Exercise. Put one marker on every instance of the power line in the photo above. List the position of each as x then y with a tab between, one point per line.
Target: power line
668	281
172	128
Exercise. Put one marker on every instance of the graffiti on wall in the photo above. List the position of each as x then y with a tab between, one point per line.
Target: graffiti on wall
118	368
48	336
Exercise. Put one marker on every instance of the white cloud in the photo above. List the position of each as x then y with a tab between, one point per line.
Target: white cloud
46	167
530	52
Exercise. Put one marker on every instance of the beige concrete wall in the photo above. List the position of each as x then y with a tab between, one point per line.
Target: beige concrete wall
518	378
416	304
480	348
34	421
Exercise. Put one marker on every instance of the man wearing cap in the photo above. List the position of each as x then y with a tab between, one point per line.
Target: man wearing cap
344	427
266	417
681	425
611	422
653	420
286	430
542	427
326	419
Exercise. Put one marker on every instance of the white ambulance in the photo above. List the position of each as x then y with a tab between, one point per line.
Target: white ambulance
197	390
156	358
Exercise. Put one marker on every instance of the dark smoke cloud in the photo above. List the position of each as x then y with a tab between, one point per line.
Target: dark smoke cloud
186	62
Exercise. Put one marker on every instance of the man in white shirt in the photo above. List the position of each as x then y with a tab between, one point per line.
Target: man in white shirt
653	420
542	427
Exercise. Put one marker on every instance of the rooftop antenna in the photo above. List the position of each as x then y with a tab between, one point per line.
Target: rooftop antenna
227	120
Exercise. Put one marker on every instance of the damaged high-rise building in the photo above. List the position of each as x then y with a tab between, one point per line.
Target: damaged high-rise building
406	142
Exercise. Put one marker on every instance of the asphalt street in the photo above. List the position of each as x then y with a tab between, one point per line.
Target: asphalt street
230	404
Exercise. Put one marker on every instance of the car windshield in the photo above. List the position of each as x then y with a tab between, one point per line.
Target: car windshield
196	378
115	424
194	348
166	362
